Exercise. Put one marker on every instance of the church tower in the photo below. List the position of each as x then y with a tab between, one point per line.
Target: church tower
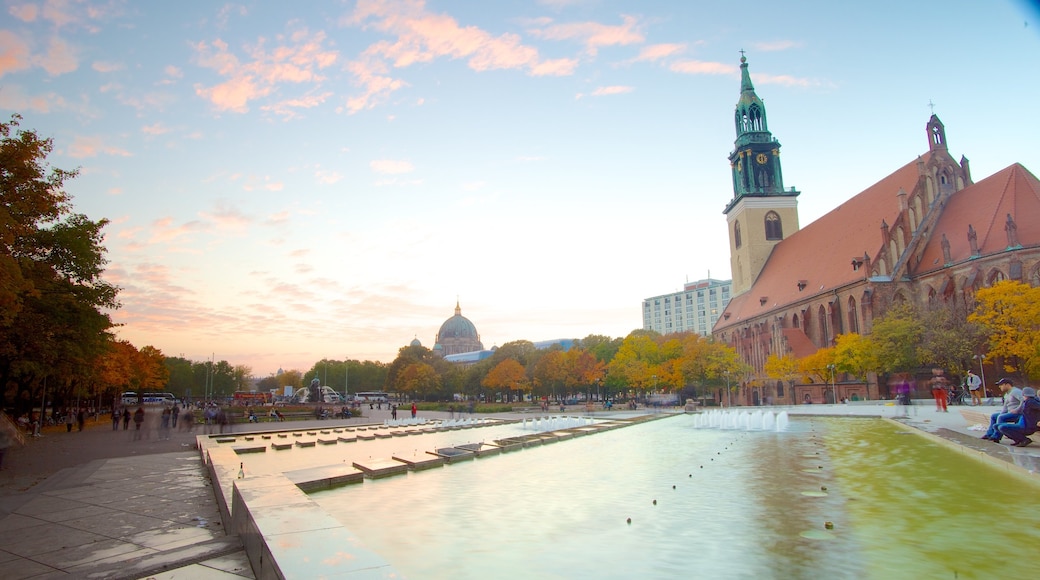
761	213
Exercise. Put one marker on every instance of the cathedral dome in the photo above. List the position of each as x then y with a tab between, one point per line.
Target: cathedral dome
415	342
457	335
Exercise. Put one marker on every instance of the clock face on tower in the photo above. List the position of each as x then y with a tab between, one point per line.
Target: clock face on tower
761	158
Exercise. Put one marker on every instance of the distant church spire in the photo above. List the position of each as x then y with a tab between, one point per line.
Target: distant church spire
458	309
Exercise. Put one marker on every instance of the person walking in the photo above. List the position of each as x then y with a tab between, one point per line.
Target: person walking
414	410
69	419
81	418
974	388
126	418
115	418
939	390
138	421
176	412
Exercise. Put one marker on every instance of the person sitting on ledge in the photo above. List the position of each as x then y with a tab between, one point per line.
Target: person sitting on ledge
1028	420
1008	413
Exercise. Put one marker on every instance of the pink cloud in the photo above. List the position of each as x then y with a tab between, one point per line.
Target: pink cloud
658	51
605	91
24	12
106	67
58	12
391	167
595	35
59	59
327	177
13	98
776	45
295	60
82	147
421	36
164	231
227	218
14	53
786	80
698	67
155	129
288	108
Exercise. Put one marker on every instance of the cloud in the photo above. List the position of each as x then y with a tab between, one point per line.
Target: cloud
278	219
155	129
24	12
420	36
14	53
164	231
595	35
83	147
115	191
59	58
288	108
295	60
785	80
254	183
106	67
699	67
393	181
390	166
326	177
12	98
656	52
776	45
605	90
227	218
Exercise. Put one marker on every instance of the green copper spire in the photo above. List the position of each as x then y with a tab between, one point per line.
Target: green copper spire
755	160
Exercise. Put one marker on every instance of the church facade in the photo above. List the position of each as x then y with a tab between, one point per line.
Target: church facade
927	234
457	335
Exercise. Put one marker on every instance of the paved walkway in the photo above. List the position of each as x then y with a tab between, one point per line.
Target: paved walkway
100	504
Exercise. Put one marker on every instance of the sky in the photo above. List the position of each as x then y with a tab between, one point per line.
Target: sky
289	181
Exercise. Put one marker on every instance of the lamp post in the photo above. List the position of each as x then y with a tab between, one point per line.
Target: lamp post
346	379
982	371
834	389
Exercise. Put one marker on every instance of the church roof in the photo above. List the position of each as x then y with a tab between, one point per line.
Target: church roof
821	253
457	326
985	206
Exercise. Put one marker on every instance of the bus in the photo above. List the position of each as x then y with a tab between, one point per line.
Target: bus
371	397
129	398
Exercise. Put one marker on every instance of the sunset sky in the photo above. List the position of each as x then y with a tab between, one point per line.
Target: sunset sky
288	181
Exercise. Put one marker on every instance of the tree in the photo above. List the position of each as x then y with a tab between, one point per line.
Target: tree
505	376
816	367
54	303
418	379
949	340
856	355
782	368
1009	311
897	336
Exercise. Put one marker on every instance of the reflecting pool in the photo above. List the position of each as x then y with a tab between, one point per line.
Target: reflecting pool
703	503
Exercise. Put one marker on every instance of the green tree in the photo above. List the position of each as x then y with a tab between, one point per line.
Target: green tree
897	336
418	379
856	355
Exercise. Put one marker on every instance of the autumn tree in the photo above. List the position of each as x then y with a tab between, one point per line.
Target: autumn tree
897	336
816	368
782	368
1009	311
418	379
54	303
856	355
505	376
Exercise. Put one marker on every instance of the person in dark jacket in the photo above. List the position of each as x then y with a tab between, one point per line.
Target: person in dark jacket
1027	422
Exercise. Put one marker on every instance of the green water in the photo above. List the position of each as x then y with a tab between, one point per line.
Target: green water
743	505
920	510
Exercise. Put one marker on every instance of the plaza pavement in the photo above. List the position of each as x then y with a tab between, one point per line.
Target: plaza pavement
100	504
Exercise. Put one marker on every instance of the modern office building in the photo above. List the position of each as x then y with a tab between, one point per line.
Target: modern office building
695	309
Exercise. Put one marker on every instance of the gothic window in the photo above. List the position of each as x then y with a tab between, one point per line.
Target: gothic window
736	234
794	321
994	277
774	227
853	318
824	335
1034	278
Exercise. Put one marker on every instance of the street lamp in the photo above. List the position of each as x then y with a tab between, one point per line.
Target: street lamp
834	389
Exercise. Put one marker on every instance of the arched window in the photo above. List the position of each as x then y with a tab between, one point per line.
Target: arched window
994	277
736	235
825	338
774	227
794	321
853	316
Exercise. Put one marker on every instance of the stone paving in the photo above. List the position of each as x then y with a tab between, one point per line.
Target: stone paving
98	504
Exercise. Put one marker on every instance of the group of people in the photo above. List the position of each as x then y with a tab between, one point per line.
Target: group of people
1019	416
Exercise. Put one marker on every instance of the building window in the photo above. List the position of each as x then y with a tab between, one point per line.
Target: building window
774	228
736	234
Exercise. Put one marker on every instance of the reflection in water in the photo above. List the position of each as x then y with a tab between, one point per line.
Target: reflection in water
899	505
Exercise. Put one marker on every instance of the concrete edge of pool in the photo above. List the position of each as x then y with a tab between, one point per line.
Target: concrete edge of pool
286	534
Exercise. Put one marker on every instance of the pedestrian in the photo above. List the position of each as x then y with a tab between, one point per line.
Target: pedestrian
939	390
115	418
223	420
164	423
69	418
451	411
126	418
974	387
81	418
393	412
138	421
176	412
414	410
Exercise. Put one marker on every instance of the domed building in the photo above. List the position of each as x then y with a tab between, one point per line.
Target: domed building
457	335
